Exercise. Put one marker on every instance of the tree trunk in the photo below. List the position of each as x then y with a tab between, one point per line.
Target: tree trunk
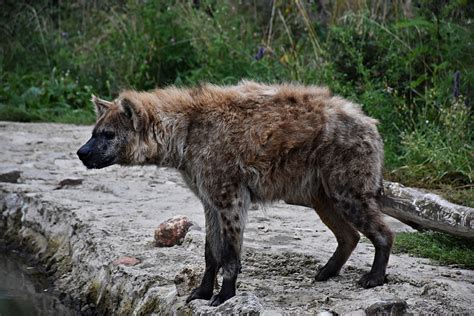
423	210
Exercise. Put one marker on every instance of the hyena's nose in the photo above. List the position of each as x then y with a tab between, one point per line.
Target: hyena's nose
83	153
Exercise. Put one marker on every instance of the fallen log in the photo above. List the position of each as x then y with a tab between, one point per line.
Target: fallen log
424	210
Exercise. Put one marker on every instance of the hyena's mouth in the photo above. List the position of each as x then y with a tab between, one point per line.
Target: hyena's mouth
92	154
99	164
95	161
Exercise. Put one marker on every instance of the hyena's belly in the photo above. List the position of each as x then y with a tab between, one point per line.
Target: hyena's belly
299	186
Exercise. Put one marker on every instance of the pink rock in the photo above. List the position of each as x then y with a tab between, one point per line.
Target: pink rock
126	261
172	231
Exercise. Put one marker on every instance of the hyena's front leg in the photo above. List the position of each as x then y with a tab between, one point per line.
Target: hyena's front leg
206	288
231	204
225	221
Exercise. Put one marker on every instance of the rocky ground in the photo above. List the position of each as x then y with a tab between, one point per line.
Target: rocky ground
79	222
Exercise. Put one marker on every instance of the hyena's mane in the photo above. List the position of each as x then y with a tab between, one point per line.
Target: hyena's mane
161	120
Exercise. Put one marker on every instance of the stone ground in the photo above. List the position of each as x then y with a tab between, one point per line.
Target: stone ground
77	229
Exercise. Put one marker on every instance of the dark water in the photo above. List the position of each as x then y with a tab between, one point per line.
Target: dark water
24	290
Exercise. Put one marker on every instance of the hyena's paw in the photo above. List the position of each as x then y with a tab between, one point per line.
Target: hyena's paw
199	294
372	280
218	299
325	273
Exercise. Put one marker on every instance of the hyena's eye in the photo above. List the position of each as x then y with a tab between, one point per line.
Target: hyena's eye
109	134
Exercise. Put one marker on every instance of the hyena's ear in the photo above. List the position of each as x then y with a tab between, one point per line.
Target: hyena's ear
100	106
133	109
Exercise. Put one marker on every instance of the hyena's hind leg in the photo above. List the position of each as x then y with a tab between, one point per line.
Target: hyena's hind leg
364	213
347	238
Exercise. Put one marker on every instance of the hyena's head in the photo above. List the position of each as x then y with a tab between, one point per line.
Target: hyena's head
118	133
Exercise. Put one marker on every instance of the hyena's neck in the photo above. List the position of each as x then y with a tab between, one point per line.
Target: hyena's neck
173	135
169	129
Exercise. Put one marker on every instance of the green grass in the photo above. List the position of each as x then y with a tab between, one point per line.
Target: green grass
76	116
441	247
462	195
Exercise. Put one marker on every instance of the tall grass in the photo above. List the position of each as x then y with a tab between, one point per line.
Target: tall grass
397	59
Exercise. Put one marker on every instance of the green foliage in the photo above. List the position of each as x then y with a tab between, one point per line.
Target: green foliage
397	61
54	98
440	151
438	246
52	55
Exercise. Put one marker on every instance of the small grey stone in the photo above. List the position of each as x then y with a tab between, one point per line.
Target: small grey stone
10	176
393	307
69	182
241	304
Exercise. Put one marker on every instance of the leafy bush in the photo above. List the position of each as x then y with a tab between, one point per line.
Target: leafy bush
52	55
440	152
48	99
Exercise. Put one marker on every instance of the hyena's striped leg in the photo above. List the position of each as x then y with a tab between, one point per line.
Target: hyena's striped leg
233	208
347	238
365	215
206	288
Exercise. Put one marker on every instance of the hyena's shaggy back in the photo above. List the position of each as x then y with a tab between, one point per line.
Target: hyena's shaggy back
283	141
254	143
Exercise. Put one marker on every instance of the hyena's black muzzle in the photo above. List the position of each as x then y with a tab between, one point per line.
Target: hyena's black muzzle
95	154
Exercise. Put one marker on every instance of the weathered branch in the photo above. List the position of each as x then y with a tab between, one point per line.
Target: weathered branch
427	210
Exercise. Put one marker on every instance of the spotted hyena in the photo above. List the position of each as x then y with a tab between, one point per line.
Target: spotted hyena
237	145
